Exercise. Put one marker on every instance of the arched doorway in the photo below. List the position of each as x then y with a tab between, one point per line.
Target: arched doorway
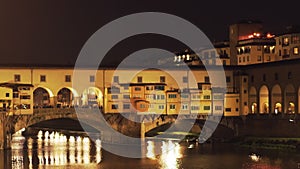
41	98
278	108
64	98
276	99
253	99
254	108
92	97
264	99
291	108
290	98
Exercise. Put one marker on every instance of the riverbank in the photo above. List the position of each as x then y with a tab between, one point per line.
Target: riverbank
271	143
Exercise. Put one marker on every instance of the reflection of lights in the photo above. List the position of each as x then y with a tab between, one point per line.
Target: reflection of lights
47	134
254	157
170	154
98	151
86	149
150	150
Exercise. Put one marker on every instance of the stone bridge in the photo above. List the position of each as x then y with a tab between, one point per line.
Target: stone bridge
132	125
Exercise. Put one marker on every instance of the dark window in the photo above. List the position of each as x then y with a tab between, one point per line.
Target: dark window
172	96
264	77
184	79
92	78
162	79
206	97
17	78
114	106
289	75
137	89
206	79
224	62
276	76
279	52
25	97
252	78
236	109
43	78
126	106
140	79
114	96
159	87
245	80
172	106
237	100
228	109
245	91
116	79
228	79
245	103
15	95
68	78
206	107
6	94
126	96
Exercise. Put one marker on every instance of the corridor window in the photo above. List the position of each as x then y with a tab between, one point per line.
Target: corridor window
92	78
43	78
172	106
68	78
17	78
162	79
140	79
172	96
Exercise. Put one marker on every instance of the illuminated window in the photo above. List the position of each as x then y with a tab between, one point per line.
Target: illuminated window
17	78
295	39
68	78
286	41
296	51
43	78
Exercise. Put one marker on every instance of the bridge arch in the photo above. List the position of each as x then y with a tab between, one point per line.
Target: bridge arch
91	96
42	96
253	99
264	99
276	99
290	99
67	96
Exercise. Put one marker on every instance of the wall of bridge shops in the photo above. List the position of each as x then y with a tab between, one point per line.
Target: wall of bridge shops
274	87
55	80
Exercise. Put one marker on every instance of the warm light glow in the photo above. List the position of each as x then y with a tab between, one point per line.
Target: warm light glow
170	153
150	150
254	157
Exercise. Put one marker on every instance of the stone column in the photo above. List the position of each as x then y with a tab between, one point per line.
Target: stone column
4	136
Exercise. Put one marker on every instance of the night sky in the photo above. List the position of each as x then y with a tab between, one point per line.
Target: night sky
53	32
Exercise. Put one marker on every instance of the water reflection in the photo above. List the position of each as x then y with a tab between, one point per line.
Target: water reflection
170	153
53	149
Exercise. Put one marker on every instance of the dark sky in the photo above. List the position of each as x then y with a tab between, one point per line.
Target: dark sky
53	31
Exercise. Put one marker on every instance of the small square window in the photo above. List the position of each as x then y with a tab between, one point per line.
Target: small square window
17	78
6	94
116	79
92	78
184	79
206	79
68	78
43	78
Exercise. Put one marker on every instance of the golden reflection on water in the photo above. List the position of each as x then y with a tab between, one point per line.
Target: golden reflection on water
53	149
170	152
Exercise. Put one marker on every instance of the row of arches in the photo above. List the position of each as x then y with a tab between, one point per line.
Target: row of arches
67	97
274	100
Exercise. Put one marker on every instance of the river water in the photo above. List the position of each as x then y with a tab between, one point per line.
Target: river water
54	150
